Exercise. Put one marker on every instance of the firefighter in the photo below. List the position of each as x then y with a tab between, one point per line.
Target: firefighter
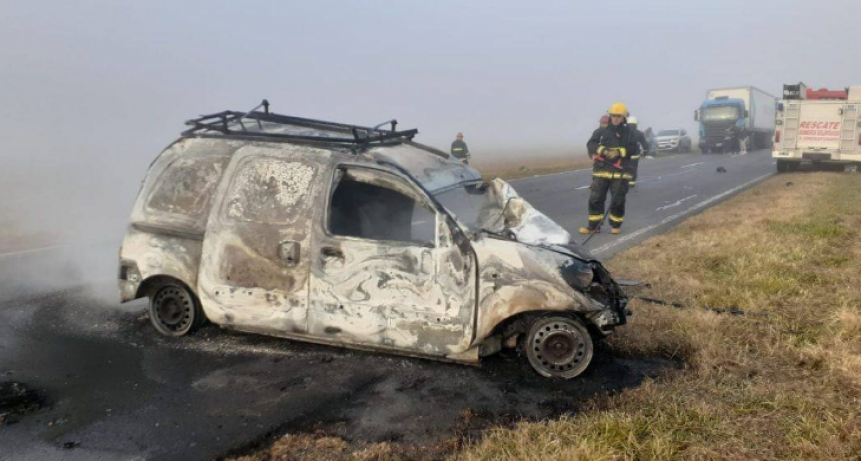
642	145
459	150
650	138
608	147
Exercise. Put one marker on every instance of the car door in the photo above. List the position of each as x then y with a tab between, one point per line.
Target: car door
386	270
256	251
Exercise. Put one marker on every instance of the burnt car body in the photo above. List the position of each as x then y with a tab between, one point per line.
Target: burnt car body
357	237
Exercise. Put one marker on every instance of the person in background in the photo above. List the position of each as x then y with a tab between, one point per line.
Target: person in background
609	149
650	138
642	145
459	149
605	120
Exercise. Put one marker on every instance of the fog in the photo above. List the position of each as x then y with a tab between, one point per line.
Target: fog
91	91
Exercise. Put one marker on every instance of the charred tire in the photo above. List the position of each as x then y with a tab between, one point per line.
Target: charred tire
174	310
559	347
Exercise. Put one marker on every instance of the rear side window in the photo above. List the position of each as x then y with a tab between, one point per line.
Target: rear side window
268	190
186	185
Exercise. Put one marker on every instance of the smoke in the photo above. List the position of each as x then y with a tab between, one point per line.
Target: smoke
97	88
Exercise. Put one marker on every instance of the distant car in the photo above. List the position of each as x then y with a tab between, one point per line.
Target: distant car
673	140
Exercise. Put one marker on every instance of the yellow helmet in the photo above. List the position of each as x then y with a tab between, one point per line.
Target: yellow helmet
619	109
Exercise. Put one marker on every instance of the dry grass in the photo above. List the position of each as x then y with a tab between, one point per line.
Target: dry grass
782	382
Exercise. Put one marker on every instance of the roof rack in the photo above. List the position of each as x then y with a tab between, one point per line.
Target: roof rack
233	124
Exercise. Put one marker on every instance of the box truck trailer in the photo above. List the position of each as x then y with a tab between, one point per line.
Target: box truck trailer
747	108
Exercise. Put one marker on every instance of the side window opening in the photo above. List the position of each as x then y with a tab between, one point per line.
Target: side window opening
366	210
186	185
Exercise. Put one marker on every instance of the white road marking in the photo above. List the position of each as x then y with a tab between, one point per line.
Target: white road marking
676	216
692	164
659	159
675	204
583	187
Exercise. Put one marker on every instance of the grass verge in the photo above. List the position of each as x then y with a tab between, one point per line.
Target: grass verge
781	382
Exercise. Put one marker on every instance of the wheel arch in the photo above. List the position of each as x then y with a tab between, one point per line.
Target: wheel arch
150	284
519	323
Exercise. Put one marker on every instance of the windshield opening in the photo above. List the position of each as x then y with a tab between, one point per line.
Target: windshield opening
473	205
668	133
721	113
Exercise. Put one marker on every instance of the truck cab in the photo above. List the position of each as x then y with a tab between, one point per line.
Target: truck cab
715	117
357	237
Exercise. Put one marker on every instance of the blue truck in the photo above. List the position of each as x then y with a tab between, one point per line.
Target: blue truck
750	110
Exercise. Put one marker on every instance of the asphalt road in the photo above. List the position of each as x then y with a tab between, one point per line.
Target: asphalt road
114	389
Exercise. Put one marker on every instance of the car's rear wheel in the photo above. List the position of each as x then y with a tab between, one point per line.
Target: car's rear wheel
174	310
559	347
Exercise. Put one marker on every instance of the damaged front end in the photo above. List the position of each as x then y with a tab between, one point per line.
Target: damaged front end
528	264
600	287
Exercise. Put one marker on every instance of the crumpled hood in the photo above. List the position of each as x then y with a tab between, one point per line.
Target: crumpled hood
527	224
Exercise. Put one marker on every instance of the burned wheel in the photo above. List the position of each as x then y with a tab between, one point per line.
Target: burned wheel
559	347
174	311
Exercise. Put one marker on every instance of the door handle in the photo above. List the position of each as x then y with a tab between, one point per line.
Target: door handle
332	252
289	252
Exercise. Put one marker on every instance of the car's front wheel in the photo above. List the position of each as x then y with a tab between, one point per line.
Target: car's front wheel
559	346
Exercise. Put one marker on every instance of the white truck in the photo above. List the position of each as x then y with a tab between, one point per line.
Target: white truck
749	109
818	126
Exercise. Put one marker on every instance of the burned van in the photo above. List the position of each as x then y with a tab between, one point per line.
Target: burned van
357	237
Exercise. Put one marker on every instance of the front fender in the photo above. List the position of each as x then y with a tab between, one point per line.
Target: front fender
516	278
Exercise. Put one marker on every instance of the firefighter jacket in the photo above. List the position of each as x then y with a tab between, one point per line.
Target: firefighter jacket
459	150
610	141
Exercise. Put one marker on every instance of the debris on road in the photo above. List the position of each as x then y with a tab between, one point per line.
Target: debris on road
721	169
717	310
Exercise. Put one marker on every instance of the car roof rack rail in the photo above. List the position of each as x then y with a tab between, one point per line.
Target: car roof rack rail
233	124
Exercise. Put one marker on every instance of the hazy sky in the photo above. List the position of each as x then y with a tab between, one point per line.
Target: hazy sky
97	87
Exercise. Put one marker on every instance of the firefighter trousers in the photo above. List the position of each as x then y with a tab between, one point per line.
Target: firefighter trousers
617	188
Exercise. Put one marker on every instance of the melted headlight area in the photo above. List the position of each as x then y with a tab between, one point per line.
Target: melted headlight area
605	290
578	274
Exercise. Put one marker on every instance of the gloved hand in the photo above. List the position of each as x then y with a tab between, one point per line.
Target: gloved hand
598	158
611	153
